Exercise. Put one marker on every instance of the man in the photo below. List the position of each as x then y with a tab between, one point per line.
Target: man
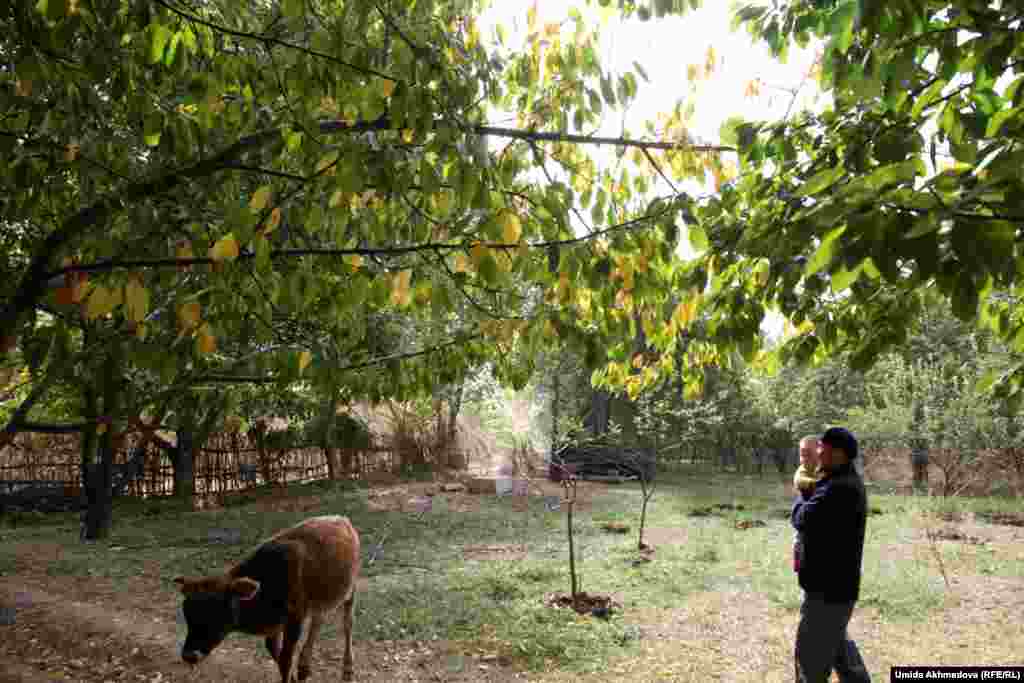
831	520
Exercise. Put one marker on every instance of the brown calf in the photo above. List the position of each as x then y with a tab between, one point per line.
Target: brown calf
301	572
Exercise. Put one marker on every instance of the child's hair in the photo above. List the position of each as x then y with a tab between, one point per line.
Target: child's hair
810	438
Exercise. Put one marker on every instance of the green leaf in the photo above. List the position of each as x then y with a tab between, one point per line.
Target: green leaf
820	181
996	123
158	37
843	278
698	238
965	298
928	98
924	225
870	269
893	174
841	24
825	253
153	127
607	91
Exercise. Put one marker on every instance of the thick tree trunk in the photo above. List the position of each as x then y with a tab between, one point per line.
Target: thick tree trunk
98	482
333	466
98	518
183	464
454	408
600	412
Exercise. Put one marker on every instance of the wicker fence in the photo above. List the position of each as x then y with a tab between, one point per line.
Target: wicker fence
48	467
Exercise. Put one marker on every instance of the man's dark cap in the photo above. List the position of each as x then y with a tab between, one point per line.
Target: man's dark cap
838	437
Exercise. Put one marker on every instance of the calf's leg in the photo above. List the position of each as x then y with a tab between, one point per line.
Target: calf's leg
306	656
348	669
274	645
292	636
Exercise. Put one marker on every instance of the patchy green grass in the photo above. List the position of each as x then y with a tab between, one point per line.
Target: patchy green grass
424	583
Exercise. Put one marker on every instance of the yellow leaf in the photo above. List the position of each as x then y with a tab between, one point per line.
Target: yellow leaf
564	288
624	299
354	261
461	263
140	332
761	272
442	202
273	220
400	288
184	252
408	135
102	301
511	227
305	358
71	152
336	199
260	198
189	315
101	429
226	249
206	343
23	87
709	61
136	299
477	253
627	276
422	293
387	87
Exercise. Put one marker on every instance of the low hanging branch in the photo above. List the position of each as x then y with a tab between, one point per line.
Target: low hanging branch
279	254
251	379
32	286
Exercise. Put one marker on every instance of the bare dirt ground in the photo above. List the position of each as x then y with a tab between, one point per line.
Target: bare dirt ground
95	633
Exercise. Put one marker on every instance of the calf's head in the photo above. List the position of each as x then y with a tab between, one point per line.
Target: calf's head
211	612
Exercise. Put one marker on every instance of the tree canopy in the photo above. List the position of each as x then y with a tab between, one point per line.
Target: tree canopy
301	190
909	184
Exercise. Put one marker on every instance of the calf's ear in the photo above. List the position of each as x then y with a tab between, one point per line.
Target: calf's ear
245	588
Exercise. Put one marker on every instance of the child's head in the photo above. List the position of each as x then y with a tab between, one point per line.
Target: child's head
809	451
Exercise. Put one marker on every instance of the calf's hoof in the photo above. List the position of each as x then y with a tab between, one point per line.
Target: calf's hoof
347	674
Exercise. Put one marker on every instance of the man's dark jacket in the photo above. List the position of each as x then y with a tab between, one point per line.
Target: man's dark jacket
832	521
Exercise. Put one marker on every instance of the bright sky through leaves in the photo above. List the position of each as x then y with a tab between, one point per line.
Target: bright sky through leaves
665	48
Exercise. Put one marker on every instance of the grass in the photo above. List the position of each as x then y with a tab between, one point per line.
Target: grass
496	606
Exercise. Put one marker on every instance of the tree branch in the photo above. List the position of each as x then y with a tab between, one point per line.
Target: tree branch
273	41
243	379
546	136
106	266
32	286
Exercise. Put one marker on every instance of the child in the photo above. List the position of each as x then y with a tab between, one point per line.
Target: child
807	475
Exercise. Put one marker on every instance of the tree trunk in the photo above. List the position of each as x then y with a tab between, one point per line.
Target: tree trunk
600	412
573	582
454	408
99	497
643	518
556	388
183	463
98	482
333	469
